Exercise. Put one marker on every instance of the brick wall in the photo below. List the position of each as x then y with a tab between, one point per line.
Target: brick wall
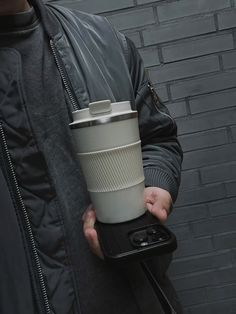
189	48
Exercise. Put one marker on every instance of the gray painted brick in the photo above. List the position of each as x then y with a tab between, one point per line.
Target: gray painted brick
213	101
233	129
216	225
196	280
162	91
204	85
194	247
201	263
198	309
234	255
197	47
224	241
229	60
227	307
150	56
182	231
227	275
231	188
203	139
189	179
209	157
177	109
221	292
135	37
201	194
96	6
181	29
146	1
219	173
187	214
183	69
210	120
183	8
225	207
227	19
192	297
132	19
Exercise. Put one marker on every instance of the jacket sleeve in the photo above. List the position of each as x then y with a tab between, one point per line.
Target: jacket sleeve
162	154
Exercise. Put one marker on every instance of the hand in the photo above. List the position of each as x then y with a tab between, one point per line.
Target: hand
90	233
158	201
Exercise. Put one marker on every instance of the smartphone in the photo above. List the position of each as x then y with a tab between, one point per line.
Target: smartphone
135	240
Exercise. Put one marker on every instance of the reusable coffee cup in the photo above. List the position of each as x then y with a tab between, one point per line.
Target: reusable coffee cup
107	143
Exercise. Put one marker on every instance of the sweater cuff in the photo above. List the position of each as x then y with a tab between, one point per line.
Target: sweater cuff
161	179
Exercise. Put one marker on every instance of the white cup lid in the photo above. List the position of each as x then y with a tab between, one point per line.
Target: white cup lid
101	112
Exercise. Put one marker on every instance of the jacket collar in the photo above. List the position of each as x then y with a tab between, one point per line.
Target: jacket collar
49	22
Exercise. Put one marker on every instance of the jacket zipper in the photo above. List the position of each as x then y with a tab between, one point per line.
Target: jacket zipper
69	90
157	101
64	78
11	176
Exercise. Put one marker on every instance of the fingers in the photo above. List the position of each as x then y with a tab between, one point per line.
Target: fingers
158	202
92	238
158	212
89	208
89	218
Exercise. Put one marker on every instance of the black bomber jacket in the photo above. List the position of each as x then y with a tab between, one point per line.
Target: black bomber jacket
46	265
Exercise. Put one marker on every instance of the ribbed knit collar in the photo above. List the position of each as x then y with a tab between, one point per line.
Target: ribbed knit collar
19	21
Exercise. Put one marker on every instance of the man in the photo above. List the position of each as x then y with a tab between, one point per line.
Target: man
54	61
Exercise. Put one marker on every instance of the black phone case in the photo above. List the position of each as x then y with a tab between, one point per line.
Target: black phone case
135	240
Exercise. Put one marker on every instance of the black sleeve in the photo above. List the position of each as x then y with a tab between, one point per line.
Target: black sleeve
162	154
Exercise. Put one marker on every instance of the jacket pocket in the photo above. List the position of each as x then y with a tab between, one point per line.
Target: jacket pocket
155	121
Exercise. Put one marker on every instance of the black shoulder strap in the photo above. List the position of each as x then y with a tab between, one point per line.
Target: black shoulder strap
148	294
144	294
165	303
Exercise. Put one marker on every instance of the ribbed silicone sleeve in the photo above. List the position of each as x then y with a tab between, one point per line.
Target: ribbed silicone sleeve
113	169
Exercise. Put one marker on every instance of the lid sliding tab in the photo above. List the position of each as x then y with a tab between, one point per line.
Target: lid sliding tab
100	107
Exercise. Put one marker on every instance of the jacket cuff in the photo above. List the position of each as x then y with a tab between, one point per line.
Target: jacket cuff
161	179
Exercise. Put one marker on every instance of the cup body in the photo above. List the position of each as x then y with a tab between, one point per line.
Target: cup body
109	150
